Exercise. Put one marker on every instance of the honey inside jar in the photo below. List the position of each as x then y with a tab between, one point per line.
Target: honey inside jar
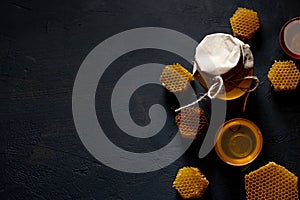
224	56
239	142
235	85
290	38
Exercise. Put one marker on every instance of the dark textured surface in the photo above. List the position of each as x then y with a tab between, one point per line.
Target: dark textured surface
42	44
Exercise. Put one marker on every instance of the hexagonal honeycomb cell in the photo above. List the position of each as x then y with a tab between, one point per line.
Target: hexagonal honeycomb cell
244	23
271	181
191	122
284	75
190	183
175	78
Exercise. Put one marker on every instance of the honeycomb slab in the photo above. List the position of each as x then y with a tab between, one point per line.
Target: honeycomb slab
284	75
244	23
190	183
191	122
271	181
175	78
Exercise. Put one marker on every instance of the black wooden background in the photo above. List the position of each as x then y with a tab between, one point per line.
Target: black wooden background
42	45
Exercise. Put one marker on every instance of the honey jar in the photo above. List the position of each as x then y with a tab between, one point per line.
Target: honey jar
221	54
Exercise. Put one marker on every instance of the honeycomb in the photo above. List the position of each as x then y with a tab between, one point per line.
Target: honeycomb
175	78
190	183
284	75
244	23
193	123
271	181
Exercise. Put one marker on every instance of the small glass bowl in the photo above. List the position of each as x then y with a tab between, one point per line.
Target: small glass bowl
239	142
289	38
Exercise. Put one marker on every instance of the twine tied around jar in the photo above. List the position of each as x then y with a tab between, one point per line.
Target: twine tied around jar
218	85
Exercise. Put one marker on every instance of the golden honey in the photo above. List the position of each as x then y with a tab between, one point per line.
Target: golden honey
239	142
235	85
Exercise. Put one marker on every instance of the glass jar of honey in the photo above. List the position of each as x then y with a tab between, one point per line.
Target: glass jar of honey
223	55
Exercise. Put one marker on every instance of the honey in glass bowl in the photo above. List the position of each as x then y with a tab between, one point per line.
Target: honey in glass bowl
239	142
290	38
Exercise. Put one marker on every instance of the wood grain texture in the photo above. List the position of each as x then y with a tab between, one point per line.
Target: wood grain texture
42	45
